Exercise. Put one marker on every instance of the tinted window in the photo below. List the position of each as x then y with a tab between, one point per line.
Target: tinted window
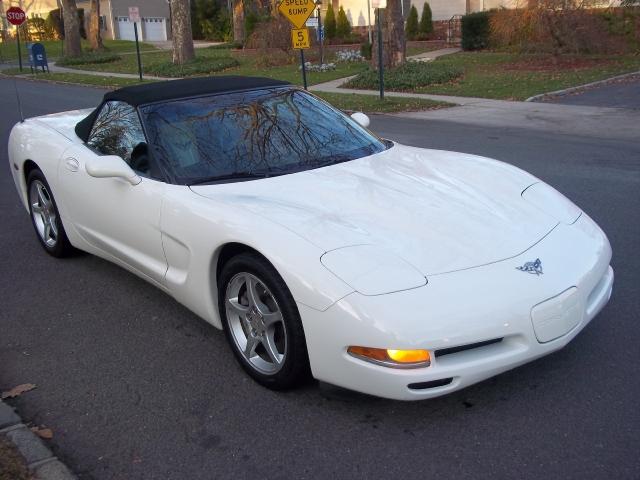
117	131
272	131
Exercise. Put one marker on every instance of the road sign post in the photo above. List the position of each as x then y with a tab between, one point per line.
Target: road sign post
134	16
16	16
298	12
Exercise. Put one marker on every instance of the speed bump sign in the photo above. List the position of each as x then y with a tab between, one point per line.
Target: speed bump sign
297	11
300	38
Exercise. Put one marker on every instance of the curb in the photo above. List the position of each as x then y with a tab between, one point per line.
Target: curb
41	462
566	91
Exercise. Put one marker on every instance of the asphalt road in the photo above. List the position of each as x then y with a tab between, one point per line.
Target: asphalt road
136	387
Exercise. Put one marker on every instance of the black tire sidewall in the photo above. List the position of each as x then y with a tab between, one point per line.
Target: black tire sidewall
63	246
296	366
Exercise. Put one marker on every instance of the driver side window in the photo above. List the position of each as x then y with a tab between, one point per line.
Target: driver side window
117	131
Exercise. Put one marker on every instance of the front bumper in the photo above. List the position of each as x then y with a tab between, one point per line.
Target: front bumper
464	308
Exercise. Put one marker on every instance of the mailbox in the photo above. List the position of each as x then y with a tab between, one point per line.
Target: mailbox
37	57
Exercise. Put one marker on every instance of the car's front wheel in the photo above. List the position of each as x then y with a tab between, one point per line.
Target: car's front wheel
45	216
262	323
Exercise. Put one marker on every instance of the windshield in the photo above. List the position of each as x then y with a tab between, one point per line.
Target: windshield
252	134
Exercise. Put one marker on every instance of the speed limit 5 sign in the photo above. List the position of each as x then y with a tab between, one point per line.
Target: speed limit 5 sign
300	38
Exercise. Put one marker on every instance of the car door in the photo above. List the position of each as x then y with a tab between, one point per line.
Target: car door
120	220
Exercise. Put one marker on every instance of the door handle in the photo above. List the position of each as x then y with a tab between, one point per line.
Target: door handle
72	164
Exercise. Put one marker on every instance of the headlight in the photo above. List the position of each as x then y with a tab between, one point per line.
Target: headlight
392	358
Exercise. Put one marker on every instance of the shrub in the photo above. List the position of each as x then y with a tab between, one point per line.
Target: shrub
88	58
273	33
412	23
349	56
343	27
475	31
426	20
410	76
365	50
330	23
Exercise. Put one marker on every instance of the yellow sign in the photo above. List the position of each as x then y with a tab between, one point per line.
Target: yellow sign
297	11
300	38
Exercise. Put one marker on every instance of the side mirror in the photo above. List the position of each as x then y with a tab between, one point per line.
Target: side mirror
361	119
111	166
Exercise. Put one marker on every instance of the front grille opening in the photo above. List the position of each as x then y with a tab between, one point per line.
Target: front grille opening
462	348
432	384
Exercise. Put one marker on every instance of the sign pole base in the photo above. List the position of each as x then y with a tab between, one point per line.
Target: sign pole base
304	69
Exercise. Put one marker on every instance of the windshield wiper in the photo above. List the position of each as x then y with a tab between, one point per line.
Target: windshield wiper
233	176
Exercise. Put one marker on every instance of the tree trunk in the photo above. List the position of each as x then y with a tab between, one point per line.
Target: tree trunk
72	47
183	50
95	37
393	39
238	21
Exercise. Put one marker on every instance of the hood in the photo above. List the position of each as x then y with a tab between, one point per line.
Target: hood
439	211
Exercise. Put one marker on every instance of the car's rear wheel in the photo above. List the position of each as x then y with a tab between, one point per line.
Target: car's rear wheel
45	217
262	323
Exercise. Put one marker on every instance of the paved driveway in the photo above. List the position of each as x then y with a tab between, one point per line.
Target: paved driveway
624	93
136	387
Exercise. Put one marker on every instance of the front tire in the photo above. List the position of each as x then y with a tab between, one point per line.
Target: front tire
45	217
262	323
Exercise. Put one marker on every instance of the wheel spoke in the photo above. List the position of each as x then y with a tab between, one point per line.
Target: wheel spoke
269	344
271	318
252	293
41	195
237	307
36	208
54	227
250	348
47	231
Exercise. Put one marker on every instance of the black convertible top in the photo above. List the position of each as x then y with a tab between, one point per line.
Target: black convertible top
137	95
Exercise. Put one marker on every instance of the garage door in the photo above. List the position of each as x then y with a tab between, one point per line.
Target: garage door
125	29
155	29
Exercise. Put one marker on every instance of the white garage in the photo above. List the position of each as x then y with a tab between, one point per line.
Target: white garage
125	29
155	29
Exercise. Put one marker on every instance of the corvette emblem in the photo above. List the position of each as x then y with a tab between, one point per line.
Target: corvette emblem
534	268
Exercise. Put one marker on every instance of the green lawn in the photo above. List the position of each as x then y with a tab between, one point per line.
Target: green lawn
517	77
76	78
372	103
8	50
424	49
208	62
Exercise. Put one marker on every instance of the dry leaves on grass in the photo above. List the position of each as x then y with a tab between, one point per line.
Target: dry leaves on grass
45	433
18	390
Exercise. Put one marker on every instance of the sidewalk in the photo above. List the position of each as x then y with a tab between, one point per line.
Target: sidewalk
53	68
39	459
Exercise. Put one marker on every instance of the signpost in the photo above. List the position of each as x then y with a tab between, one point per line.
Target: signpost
134	16
16	16
379	5
298	12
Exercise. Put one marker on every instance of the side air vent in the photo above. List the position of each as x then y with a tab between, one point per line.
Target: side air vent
432	384
462	348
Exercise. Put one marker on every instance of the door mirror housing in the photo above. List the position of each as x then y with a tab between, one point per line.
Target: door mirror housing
361	119
111	166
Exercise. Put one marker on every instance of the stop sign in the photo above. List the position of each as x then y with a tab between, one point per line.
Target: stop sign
16	16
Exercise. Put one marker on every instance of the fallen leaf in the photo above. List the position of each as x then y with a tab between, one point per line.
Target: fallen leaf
46	433
19	390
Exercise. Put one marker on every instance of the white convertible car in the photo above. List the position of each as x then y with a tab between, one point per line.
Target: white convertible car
320	248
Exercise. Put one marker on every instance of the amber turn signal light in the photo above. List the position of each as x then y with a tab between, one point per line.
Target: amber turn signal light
392	358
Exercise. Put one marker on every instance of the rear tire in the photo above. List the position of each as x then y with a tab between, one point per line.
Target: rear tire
45	217
262	323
